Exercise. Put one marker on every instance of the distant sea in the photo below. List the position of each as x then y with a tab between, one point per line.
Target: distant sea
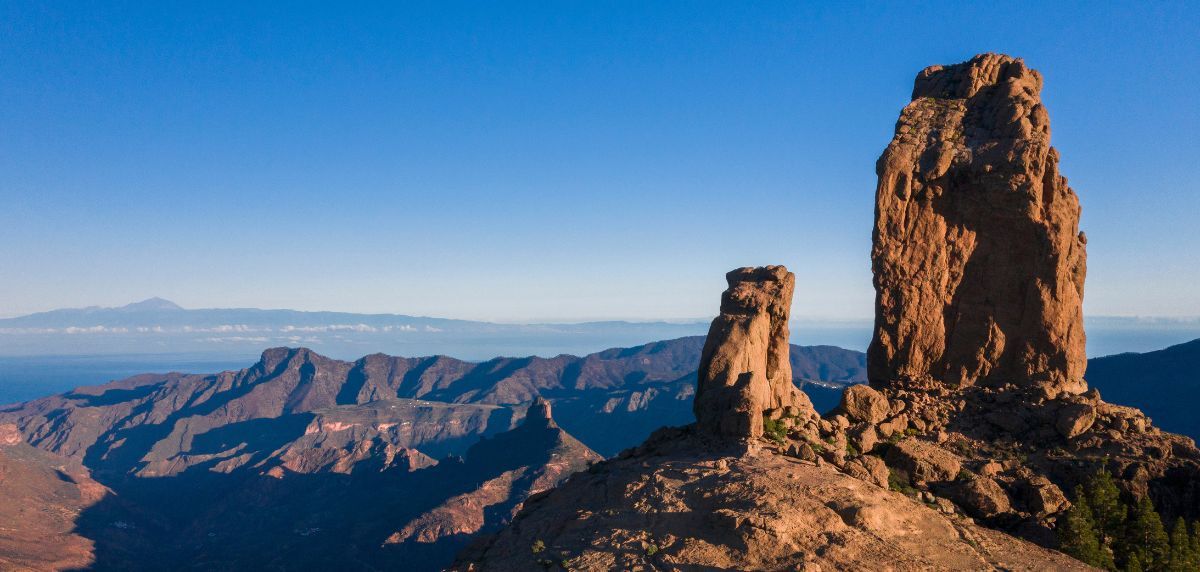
25	378
29	377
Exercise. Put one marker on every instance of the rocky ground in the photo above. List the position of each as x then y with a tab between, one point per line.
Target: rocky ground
1004	456
679	502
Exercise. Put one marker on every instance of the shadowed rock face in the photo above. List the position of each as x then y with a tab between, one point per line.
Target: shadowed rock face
744	369
978	259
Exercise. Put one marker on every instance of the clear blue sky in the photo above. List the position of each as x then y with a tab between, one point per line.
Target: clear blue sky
557	160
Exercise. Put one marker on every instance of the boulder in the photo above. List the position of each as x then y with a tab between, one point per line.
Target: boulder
861	403
863	438
1042	496
897	424
978	260
744	368
1075	419
981	497
924	461
868	468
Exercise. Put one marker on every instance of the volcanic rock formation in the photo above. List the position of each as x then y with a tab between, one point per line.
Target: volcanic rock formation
978	259
977	411
978	349
684	500
744	369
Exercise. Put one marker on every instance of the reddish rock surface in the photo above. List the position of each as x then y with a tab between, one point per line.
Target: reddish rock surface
744	369
41	495
978	259
672	504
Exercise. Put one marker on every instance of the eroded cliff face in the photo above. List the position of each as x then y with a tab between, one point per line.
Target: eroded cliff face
978	259
744	369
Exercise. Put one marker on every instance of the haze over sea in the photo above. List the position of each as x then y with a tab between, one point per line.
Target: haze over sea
31	376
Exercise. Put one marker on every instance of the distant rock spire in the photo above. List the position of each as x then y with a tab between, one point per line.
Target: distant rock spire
744	369
978	259
539	415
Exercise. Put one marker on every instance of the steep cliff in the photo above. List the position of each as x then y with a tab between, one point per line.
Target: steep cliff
979	263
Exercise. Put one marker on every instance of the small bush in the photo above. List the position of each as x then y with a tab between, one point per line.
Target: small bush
898	481
774	430
538	546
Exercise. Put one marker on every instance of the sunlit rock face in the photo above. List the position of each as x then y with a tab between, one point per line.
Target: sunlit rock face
978	260
744	369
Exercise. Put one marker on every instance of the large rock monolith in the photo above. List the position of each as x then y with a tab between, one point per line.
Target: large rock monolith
744	369
977	255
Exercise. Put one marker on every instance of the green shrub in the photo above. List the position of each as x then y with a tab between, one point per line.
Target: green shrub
898	481
851	450
774	430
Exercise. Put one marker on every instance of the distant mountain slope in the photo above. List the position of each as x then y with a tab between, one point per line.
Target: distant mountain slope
1165	384
162	424
40	496
392	519
272	455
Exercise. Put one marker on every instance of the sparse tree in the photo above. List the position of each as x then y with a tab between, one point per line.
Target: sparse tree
1145	537
1077	534
1134	565
1182	557
1110	513
1196	541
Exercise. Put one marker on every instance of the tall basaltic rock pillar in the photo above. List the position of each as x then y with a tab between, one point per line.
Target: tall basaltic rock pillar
977	255
744	368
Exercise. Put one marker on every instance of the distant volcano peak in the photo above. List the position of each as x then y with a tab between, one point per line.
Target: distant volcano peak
154	303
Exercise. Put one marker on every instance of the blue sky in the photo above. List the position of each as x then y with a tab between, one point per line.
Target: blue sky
557	160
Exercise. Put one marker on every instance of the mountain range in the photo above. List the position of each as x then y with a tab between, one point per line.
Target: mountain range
430	450
433	451
1163	383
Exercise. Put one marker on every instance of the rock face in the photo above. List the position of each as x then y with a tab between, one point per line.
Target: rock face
978	259
744	368
672	505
